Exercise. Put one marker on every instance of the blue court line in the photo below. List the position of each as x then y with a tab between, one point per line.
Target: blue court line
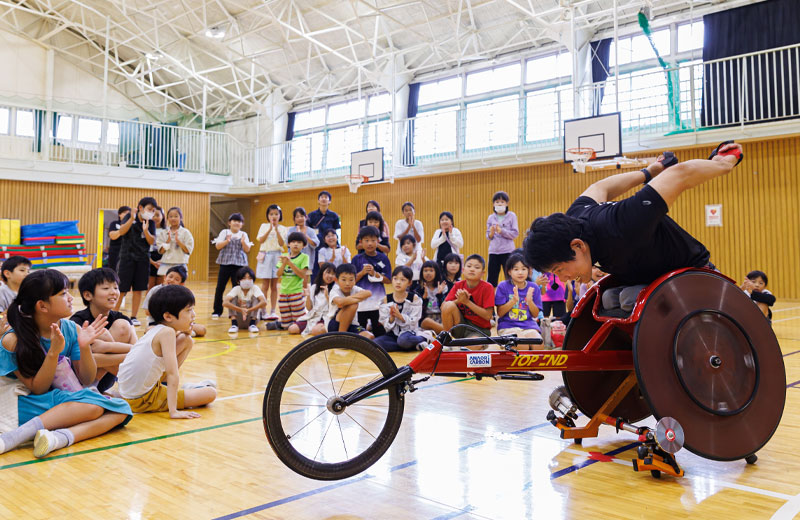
793	385
589	462
791	353
455	514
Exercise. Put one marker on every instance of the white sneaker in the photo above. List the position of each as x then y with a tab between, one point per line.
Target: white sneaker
135	322
233	330
200	384
43	443
273	316
422	345
215	316
253	328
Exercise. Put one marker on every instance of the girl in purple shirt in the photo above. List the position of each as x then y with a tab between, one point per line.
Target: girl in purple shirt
501	230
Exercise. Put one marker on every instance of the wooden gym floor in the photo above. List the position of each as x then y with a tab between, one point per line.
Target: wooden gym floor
466	450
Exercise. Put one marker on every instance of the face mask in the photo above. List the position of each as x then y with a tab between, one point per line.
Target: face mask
246	284
147	215
499	208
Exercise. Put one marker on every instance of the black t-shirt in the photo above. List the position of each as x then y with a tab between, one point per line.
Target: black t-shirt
134	244
323	222
114	245
634	239
86	315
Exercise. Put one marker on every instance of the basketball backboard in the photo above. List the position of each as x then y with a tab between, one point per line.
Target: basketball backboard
367	164
601	133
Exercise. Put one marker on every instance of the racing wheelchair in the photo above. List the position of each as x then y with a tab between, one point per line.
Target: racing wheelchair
694	352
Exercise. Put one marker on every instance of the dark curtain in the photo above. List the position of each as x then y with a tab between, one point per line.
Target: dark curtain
600	55
56	120
290	126
754	88
286	156
38	129
413	107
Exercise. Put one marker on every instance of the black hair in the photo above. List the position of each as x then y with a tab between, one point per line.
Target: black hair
513	260
296	236
407	203
11	263
368	231
345	268
408	238
448	215
280	211
325	192
375	215
163	224
752	275
181	270
500	195
452	257
243	271
237	217
319	281
91	279
374	203
548	241
170	299
406	271
176	208
299	209
328	232
148	200
37	286
477	257
123	209
431	264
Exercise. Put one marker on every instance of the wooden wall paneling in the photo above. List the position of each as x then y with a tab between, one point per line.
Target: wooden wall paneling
37	202
761	218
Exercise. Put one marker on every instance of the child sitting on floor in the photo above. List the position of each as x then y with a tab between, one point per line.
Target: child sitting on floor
470	301
317	300
159	355
755	285
432	290
244	301
400	314
410	256
518	300
344	300
13	271
175	275
374	270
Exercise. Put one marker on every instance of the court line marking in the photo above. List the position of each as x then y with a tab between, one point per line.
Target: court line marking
177	434
788	510
455	514
786	309
231	348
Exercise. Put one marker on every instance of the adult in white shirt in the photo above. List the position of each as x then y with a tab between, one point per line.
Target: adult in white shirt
409	225
447	239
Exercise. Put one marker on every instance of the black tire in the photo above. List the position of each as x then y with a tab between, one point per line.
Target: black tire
362	361
655	473
751	459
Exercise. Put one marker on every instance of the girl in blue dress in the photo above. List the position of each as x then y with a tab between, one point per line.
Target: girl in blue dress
47	361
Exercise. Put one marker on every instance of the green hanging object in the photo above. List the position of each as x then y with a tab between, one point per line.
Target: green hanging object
674	103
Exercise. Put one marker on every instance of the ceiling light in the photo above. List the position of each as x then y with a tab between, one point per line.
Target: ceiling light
217	32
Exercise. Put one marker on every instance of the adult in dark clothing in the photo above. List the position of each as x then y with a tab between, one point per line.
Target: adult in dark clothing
115	242
632	239
323	219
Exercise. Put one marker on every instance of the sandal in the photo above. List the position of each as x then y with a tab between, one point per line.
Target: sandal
735	153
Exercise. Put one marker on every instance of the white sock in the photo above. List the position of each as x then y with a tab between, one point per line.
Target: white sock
47	441
25	433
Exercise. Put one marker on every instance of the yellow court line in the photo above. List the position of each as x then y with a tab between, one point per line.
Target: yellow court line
231	348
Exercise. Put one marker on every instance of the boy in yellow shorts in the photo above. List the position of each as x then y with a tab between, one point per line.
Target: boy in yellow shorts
159	354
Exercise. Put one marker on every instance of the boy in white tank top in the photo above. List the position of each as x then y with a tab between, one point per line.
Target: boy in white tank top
159	354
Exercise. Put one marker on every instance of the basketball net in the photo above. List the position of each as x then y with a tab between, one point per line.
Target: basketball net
354	181
579	157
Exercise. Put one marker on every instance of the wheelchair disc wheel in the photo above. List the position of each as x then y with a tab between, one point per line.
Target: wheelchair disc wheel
706	356
309	434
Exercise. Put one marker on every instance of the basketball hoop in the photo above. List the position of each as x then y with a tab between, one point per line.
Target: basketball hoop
354	181
579	157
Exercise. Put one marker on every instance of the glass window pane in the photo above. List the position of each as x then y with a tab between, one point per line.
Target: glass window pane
640	48
341	143
380	104
497	78
690	36
89	130
307	152
346	111
379	135
5	116
112	137
492	123
441	90
64	128
309	119
542	111
24	123
548	67
435	132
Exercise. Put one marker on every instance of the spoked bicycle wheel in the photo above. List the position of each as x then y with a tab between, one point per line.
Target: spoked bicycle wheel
306	431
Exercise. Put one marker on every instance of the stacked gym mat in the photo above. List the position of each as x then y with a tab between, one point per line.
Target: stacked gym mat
46	245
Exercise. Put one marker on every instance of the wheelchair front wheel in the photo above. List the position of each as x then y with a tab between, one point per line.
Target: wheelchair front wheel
310	435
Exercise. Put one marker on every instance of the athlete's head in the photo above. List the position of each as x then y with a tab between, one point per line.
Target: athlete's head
554	245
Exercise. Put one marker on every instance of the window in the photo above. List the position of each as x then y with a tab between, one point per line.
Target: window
63	128
542	113
25	123
341	143
380	104
497	78
379	135
548	67
309	119
89	130
638	48
435	132
307	152
438	91
492	123
643	98
112	135
346	111
690	36
5	120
